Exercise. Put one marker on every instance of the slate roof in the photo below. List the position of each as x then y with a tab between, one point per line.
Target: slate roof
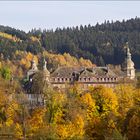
83	72
66	71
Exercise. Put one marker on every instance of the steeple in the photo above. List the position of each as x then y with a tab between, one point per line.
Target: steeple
128	65
44	65
33	65
45	71
33	68
128	51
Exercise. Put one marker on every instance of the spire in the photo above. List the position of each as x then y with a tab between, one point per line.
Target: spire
44	64
46	73
33	65
128	51
33	68
128	65
45	67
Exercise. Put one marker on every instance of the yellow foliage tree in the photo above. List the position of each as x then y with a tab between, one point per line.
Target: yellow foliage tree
125	98
36	120
71	129
8	36
105	99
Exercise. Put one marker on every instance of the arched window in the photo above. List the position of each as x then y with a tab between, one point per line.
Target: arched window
89	79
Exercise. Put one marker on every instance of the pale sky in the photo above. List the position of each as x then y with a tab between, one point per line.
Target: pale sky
25	15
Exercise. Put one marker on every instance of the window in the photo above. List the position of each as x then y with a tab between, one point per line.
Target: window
85	79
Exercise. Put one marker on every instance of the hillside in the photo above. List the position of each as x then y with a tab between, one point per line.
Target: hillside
102	44
32	108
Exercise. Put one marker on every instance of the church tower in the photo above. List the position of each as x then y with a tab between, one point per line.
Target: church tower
33	65
128	65
33	68
46	73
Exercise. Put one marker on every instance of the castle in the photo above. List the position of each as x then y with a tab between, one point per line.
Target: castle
64	77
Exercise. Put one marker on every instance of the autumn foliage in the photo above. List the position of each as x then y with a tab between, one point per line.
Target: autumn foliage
100	113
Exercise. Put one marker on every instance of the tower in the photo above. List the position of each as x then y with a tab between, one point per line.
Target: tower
128	65
33	69
33	65
46	73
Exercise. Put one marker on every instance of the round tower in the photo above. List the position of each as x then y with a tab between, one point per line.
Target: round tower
128	65
46	72
33	69
33	65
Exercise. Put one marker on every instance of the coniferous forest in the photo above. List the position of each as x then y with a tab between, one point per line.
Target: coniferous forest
102	44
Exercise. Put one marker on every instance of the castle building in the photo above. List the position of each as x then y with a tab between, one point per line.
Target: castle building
64	77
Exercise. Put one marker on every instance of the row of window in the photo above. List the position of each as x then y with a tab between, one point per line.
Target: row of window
106	79
88	85
85	85
36	103
63	79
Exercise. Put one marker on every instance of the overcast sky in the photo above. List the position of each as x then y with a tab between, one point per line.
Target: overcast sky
26	15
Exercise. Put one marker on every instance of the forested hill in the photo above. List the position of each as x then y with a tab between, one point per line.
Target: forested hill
102	44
